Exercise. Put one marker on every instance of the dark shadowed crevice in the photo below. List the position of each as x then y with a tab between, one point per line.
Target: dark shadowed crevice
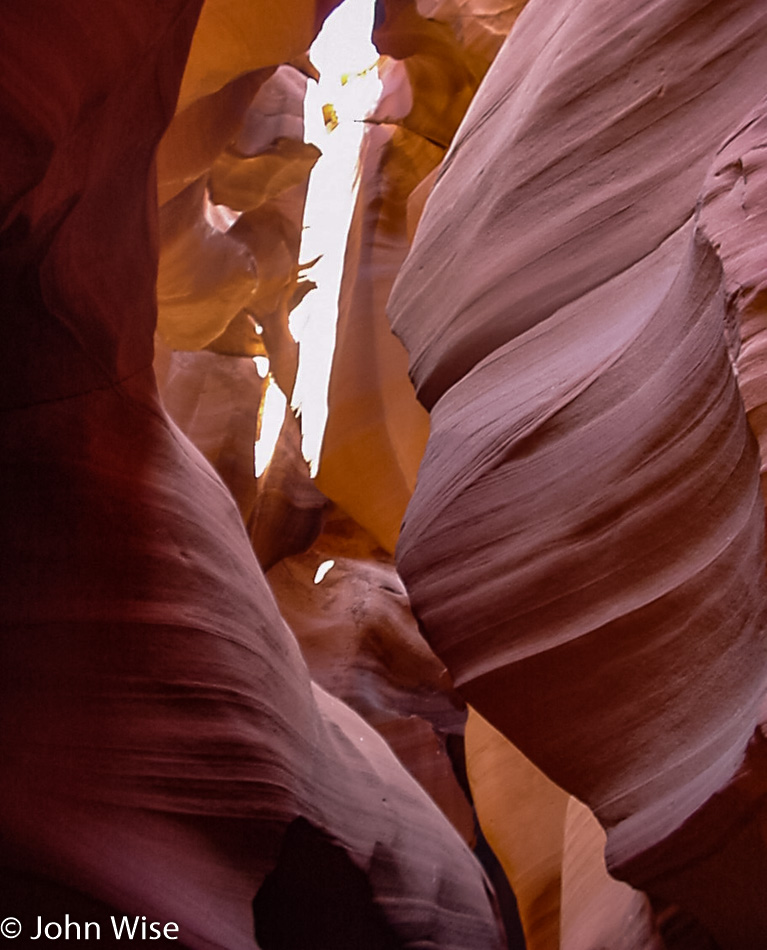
316	898
504	895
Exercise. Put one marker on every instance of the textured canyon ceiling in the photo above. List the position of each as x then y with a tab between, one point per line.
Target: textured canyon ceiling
495	677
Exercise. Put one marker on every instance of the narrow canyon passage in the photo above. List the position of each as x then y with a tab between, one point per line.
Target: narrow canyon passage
383	524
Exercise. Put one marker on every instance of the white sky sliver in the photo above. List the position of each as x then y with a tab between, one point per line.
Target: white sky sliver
272	417
262	365
342	50
322	571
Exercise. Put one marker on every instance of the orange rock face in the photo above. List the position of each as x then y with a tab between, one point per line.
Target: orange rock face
376	432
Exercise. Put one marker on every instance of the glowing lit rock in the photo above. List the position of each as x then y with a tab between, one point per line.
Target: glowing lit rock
245	145
205	278
376	431
236	37
198	135
552	850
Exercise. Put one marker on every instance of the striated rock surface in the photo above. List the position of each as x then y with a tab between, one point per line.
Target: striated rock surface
163	719
164	750
584	546
584	308
733	218
606	101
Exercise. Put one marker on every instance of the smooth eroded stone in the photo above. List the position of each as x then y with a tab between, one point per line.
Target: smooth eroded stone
584	545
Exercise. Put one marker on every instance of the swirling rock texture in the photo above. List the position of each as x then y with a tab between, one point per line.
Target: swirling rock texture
733	217
584	308
584	548
233	170
165	752
376	430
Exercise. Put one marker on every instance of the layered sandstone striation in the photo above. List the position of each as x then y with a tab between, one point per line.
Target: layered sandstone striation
584	546
733	218
165	752
278	761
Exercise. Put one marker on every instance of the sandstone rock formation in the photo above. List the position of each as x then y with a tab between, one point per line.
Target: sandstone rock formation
165	751
361	643
277	761
552	850
733	218
605	610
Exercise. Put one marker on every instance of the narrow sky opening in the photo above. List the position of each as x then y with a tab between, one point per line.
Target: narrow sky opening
272	416
333	112
322	571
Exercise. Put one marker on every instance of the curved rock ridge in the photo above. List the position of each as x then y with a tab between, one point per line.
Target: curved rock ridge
233	172
290	510
160	705
552	849
576	403
592	104
161	734
584	548
234	38
733	216
214	398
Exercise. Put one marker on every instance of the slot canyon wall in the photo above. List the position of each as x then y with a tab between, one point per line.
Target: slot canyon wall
539	650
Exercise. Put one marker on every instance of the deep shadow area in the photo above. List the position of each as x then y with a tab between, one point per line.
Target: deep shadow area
504	895
317	899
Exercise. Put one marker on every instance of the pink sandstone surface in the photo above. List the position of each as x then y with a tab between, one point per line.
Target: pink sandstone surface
278	762
606	610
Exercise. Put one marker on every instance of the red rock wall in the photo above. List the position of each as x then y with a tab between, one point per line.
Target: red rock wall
584	310
164	750
584	546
